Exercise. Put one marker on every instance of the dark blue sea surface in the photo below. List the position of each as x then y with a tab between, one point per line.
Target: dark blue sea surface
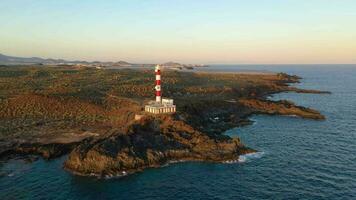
298	158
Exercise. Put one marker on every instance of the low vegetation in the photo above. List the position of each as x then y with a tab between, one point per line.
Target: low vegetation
90	113
35	96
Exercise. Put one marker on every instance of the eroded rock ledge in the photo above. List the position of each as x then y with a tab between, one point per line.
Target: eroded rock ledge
152	142
282	107
157	140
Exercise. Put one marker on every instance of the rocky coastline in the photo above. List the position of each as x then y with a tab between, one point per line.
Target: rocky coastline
192	134
152	142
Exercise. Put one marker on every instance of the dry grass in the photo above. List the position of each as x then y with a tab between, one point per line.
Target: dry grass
35	97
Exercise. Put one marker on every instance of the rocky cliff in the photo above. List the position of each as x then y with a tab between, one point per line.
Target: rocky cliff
151	142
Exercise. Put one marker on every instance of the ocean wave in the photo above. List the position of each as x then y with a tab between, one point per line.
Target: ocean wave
250	156
246	157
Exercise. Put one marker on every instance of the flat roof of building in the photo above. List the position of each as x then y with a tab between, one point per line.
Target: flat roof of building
160	105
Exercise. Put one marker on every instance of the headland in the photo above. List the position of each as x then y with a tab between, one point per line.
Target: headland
89	113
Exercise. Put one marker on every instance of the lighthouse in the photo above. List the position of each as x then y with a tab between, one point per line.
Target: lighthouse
158	84
160	105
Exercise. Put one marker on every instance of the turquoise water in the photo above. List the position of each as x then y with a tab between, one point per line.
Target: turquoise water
298	159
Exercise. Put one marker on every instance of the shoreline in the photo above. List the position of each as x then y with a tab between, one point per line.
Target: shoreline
193	134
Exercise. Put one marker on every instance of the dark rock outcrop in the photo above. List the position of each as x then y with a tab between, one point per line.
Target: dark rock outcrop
282	107
152	142
46	151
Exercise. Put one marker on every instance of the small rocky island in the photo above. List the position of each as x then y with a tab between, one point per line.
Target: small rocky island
89	115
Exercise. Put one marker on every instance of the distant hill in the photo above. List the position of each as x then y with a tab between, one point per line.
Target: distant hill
122	63
172	64
181	66
12	60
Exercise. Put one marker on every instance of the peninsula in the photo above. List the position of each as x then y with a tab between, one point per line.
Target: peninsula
89	114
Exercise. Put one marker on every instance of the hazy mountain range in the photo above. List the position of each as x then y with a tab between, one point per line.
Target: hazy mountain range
12	60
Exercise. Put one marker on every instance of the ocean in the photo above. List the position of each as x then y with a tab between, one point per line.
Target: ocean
297	159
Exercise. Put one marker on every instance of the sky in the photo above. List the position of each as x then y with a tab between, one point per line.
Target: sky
186	31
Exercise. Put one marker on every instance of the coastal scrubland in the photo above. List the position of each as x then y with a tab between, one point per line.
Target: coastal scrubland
89	113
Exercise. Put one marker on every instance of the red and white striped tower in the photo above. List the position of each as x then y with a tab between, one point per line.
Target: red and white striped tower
158	84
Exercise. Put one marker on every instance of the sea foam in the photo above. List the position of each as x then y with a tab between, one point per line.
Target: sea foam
250	156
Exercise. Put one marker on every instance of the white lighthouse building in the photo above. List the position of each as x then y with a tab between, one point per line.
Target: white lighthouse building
160	105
